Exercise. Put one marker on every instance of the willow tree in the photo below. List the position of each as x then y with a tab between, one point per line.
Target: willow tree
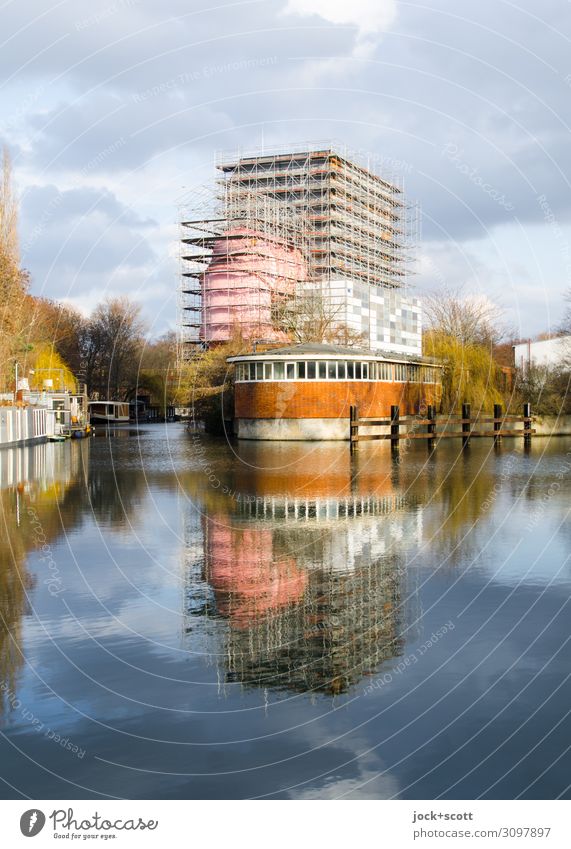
470	372
463	332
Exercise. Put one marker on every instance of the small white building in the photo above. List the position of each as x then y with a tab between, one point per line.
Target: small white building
547	352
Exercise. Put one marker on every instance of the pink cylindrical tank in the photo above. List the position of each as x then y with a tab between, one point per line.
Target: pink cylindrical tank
249	275
249	581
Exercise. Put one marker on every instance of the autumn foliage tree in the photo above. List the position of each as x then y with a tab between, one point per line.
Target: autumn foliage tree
13	280
206	384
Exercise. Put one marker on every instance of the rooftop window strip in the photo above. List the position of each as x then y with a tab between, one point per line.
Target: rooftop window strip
337	370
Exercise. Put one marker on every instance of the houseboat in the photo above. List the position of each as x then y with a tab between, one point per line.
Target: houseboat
306	391
33	416
110	412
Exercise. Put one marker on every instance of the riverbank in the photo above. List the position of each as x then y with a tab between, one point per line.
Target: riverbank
552	426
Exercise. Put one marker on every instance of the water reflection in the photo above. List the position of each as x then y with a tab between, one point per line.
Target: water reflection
301	558
37	486
303	552
213	662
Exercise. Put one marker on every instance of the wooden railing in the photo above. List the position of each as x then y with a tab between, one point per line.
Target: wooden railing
433	427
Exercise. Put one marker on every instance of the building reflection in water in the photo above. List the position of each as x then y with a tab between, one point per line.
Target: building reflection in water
37	485
302	562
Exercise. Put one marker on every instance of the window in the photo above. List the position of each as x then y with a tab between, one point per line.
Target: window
372	371
278	371
365	371
252	369
341	370
350	370
357	371
290	371
301	371
259	371
322	371
311	371
332	370
267	371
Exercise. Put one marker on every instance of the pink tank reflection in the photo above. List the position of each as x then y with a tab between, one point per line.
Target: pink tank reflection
247	579
249	275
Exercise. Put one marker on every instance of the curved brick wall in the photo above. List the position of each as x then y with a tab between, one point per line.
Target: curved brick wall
329	399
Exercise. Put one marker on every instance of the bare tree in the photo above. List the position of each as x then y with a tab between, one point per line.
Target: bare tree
471	319
9	246
312	317
112	343
14	316
564	327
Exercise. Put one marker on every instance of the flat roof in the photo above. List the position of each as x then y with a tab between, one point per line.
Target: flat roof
324	351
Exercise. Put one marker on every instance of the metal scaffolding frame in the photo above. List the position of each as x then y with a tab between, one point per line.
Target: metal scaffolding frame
342	221
258	246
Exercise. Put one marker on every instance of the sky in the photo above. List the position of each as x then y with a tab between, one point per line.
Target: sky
114	114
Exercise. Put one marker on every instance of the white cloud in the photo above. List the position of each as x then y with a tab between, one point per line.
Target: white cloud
368	15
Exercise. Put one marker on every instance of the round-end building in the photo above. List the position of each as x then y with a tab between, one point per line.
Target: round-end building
306	391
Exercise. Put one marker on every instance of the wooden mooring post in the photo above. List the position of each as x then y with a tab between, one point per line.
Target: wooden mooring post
431	427
527	431
395	435
353	427
497	424
398	426
465	425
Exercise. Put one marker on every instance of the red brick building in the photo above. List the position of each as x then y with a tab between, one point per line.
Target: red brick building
305	391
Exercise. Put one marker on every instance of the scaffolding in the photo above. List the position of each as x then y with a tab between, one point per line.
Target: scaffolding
242	266
336	220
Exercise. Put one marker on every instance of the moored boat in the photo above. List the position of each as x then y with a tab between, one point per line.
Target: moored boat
111	412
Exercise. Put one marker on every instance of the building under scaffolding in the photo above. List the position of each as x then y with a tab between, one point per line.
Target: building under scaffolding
280	230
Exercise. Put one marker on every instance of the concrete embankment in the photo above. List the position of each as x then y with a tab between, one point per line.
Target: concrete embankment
552	426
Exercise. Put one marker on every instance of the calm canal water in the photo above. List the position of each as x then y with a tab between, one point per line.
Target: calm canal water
185	619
